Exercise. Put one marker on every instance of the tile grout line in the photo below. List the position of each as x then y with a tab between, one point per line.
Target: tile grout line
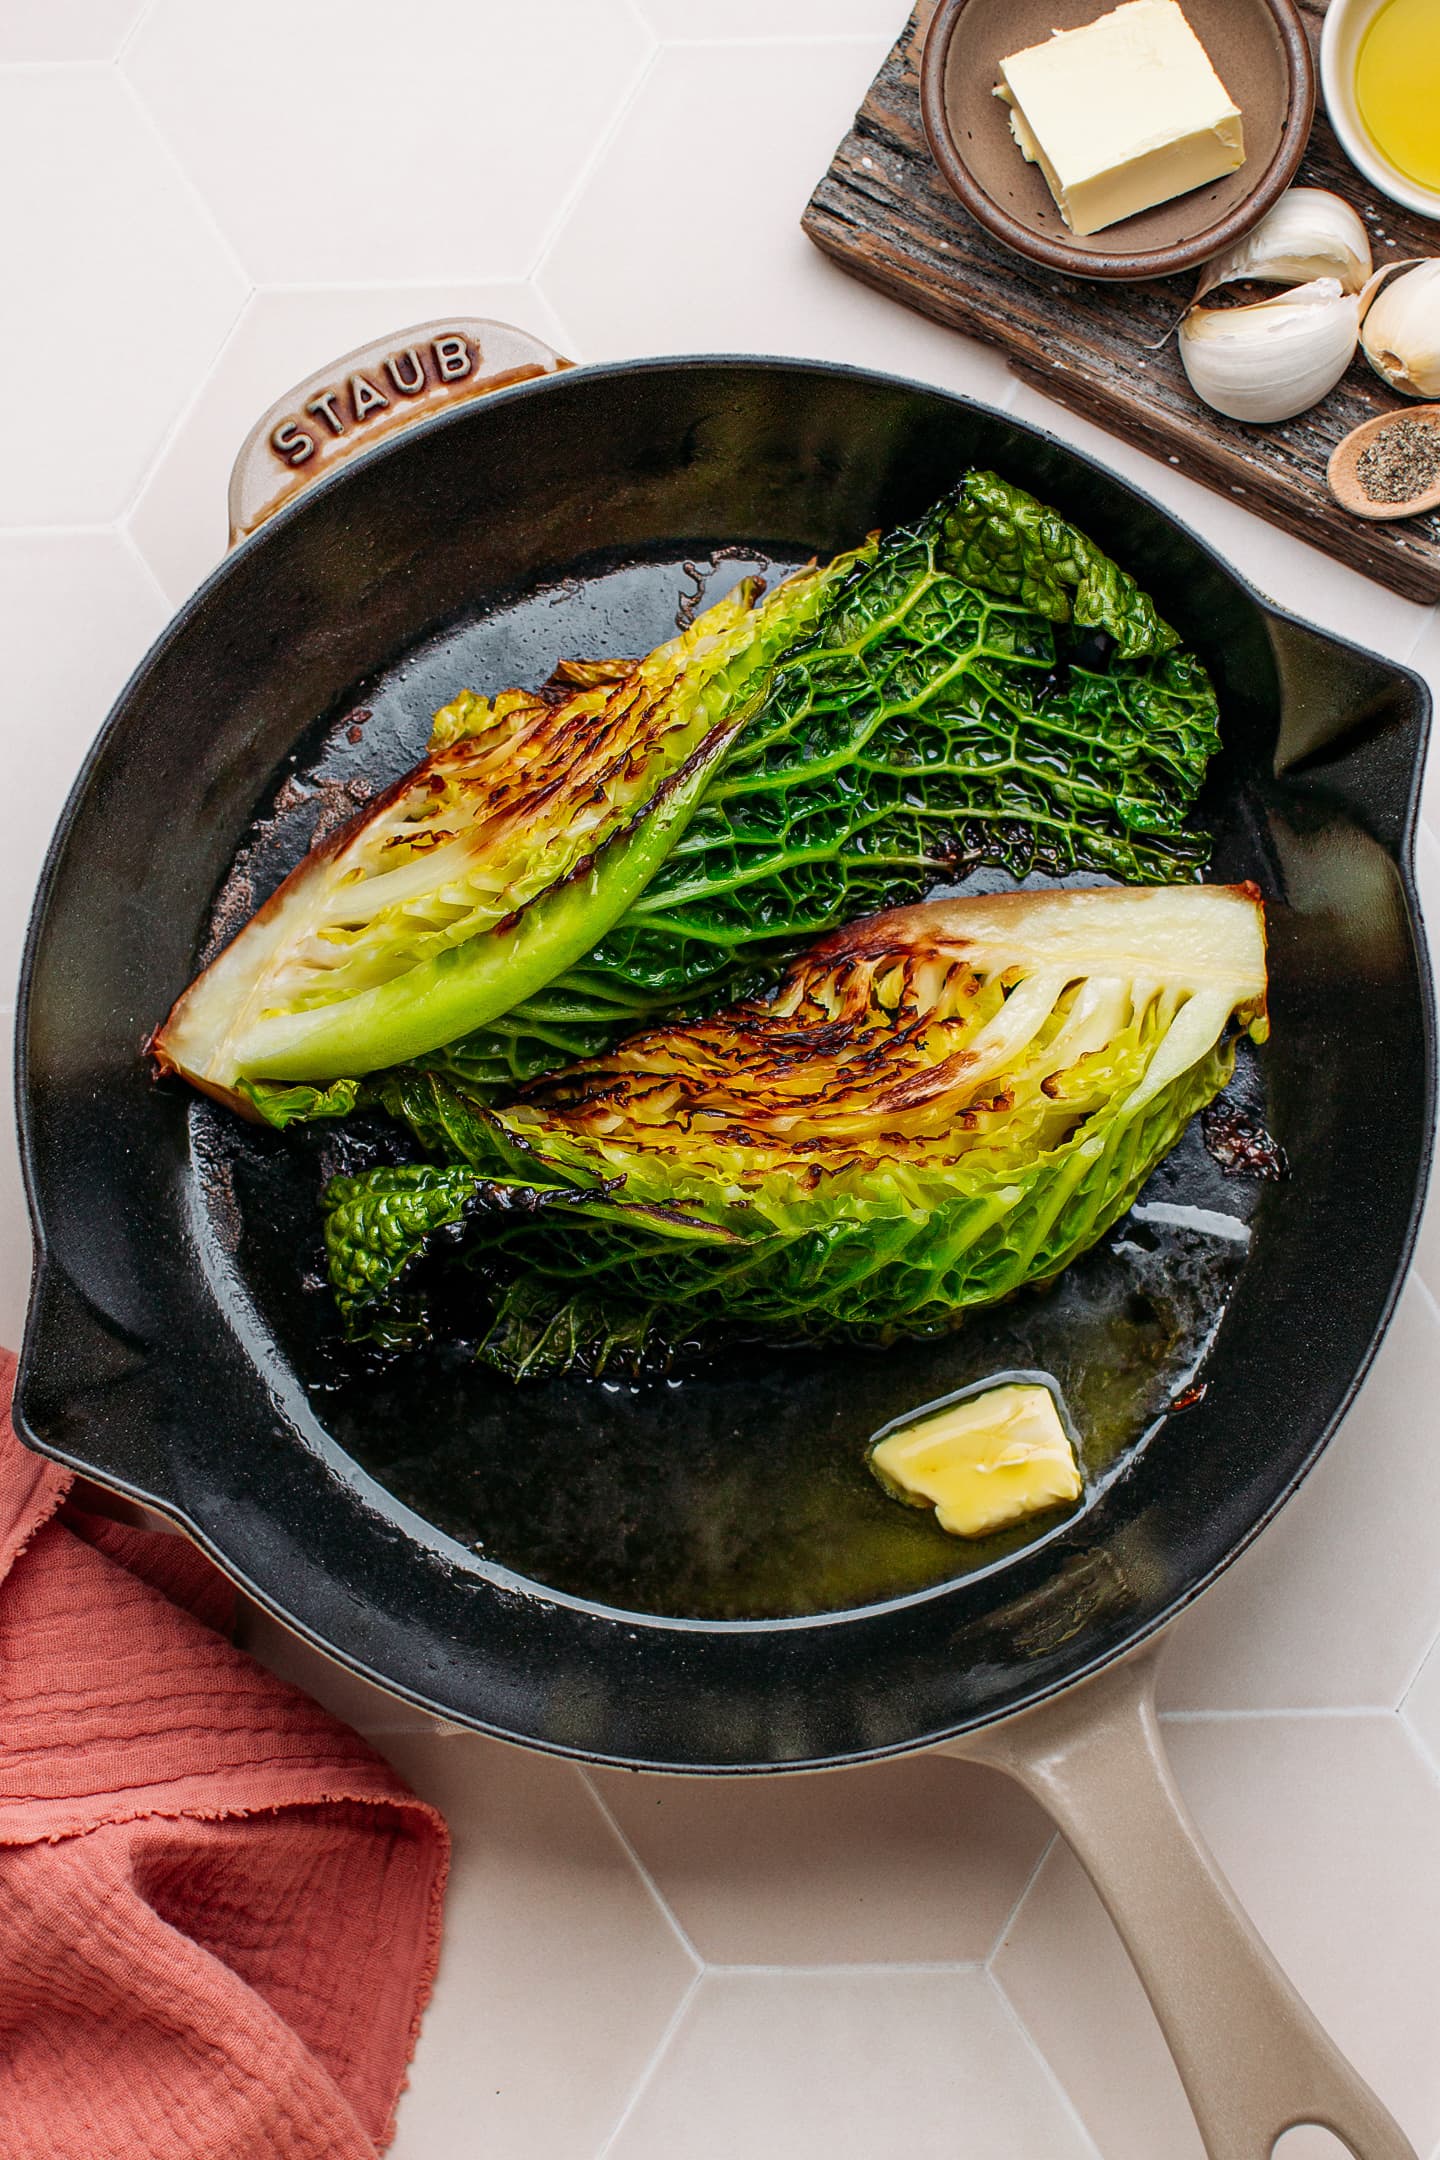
1014	385
1429	622
103	530
1425	1656
206	376
1419	1280
581	182
1048	2072
661	1902
642	22
187	179
662	2045
133	32
1420	1663
132	548
58	67
172	434
846	1969
1025	1889
1429	1761
565	344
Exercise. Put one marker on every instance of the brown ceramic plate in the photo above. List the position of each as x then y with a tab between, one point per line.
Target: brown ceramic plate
1257	47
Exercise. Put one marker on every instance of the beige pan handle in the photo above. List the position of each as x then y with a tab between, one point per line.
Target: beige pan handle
1253	2059
353	403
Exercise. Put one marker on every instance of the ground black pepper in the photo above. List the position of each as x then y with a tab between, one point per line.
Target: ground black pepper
1401	462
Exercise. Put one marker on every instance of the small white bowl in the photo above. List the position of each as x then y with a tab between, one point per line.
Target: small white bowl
1346	22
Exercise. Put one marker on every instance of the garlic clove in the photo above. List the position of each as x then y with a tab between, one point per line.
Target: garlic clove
1308	234
1400	326
1274	358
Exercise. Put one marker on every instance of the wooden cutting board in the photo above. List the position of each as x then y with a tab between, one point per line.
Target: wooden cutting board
884	213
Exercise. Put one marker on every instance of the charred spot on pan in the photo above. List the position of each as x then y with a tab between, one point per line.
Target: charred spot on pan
1240	1143
233	908
333	801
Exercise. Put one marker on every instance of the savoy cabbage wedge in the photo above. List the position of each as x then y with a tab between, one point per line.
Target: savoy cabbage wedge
939	1105
986	689
491	867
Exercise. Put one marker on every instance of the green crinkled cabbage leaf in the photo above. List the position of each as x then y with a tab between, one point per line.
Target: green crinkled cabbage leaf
1003	541
989	690
491	867
938	1107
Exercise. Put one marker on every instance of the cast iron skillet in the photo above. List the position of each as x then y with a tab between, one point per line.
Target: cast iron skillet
153	1363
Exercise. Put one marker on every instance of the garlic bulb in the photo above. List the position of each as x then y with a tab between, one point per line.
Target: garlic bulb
1401	327
1274	358
1310	233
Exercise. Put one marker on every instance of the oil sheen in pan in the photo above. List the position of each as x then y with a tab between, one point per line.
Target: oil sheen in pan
736	1487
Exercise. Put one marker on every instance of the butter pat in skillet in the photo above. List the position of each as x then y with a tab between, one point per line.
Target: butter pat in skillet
1122	114
983	1463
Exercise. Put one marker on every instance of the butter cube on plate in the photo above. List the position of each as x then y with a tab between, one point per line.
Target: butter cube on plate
985	1462
1124	113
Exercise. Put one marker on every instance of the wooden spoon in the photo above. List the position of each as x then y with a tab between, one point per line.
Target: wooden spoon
1345	480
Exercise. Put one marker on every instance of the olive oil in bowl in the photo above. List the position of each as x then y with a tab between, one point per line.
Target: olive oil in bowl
1397	87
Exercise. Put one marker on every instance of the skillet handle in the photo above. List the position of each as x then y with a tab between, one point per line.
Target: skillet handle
1253	2059
370	394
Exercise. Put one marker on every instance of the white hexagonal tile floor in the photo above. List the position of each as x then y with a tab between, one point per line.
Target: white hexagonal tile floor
812	2066
209	203
77	611
721	265
689	275
918	1862
335	140
119	290
560	1972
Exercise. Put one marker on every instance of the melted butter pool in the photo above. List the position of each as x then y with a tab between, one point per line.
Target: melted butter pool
739	1490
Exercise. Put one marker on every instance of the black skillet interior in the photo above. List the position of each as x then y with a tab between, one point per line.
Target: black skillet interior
172	1353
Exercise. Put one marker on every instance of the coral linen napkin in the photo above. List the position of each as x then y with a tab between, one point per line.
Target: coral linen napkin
219	1910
